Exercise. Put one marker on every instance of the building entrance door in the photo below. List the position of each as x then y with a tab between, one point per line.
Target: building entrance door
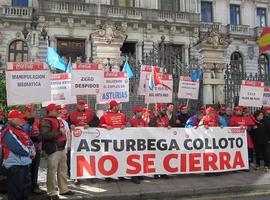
72	48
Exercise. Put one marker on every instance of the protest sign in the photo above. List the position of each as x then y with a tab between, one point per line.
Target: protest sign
160	94
266	97
86	79
145	71
115	87
251	93
27	82
148	151
188	89
60	90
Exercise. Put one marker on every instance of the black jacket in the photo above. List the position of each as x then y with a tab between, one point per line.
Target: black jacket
260	134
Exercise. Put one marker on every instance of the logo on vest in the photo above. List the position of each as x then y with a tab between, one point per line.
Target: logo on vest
77	132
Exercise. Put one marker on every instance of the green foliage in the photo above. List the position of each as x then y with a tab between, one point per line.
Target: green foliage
3	94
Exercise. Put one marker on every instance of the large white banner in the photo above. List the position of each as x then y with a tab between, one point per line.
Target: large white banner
251	93
27	82
86	79
145	71
160	94
188	89
115	87
100	153
61	90
266	96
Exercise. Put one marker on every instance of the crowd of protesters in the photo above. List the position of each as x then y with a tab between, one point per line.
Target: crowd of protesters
24	137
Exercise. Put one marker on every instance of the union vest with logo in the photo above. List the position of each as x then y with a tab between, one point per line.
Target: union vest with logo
80	118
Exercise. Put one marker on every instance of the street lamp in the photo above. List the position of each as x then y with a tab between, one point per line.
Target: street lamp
25	32
44	33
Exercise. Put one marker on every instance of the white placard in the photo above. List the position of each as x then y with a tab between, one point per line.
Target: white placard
266	97
251	94
160	94
27	82
86	79
61	90
115	87
188	89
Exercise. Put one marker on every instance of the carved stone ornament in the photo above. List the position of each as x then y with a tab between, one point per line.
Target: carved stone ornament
251	52
215	39
108	33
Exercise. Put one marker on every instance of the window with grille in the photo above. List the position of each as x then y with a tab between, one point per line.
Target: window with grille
23	3
18	51
261	17
206	11
235	14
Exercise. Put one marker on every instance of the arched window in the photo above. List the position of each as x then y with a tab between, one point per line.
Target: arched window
18	51
263	62
237	62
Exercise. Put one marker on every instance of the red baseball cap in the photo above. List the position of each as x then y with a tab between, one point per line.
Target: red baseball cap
137	109
15	114
265	108
159	106
28	108
81	102
113	103
238	108
53	106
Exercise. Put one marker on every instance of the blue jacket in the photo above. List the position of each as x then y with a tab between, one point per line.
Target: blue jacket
192	121
19	154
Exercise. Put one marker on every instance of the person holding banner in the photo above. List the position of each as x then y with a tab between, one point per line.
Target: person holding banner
113	118
261	141
210	119
171	115
183	116
137	121
32	129
54	143
193	122
18	153
246	122
159	118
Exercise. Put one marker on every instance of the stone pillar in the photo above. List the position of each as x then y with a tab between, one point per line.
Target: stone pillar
88	50
219	90
207	86
139	51
186	54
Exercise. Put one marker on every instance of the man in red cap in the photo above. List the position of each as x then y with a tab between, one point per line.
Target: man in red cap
243	121
113	118
32	129
82	116
54	143
210	119
18	151
159	118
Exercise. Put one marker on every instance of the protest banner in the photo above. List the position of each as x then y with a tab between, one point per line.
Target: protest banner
188	89
60	90
115	87
160	94
148	151
266	96
86	79
27	82
145	71
251	93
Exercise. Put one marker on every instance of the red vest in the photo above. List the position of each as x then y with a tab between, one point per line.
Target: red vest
19	133
137	122
115	120
56	125
81	118
163	121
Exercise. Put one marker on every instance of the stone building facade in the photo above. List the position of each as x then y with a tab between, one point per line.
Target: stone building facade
71	26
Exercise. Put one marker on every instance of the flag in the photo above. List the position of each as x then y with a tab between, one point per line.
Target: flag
154	80
54	60
264	40
127	70
69	66
196	75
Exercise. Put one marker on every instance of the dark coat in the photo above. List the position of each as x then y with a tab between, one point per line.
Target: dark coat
260	134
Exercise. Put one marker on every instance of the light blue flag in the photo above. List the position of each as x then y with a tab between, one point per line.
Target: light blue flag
69	66
54	60
196	75
127	69
151	82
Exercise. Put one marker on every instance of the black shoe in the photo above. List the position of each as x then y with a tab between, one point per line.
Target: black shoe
68	193
164	176
108	179
156	176
94	180
77	182
136	180
122	179
54	197
38	191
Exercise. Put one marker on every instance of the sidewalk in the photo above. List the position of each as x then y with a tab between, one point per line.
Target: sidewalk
180	186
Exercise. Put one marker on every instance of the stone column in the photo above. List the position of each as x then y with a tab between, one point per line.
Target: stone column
88	50
139	51
207	86
219	90
186	54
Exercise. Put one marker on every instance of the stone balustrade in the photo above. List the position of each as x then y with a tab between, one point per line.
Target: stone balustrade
22	12
238	29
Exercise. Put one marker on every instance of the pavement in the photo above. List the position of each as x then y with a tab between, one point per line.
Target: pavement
175	187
